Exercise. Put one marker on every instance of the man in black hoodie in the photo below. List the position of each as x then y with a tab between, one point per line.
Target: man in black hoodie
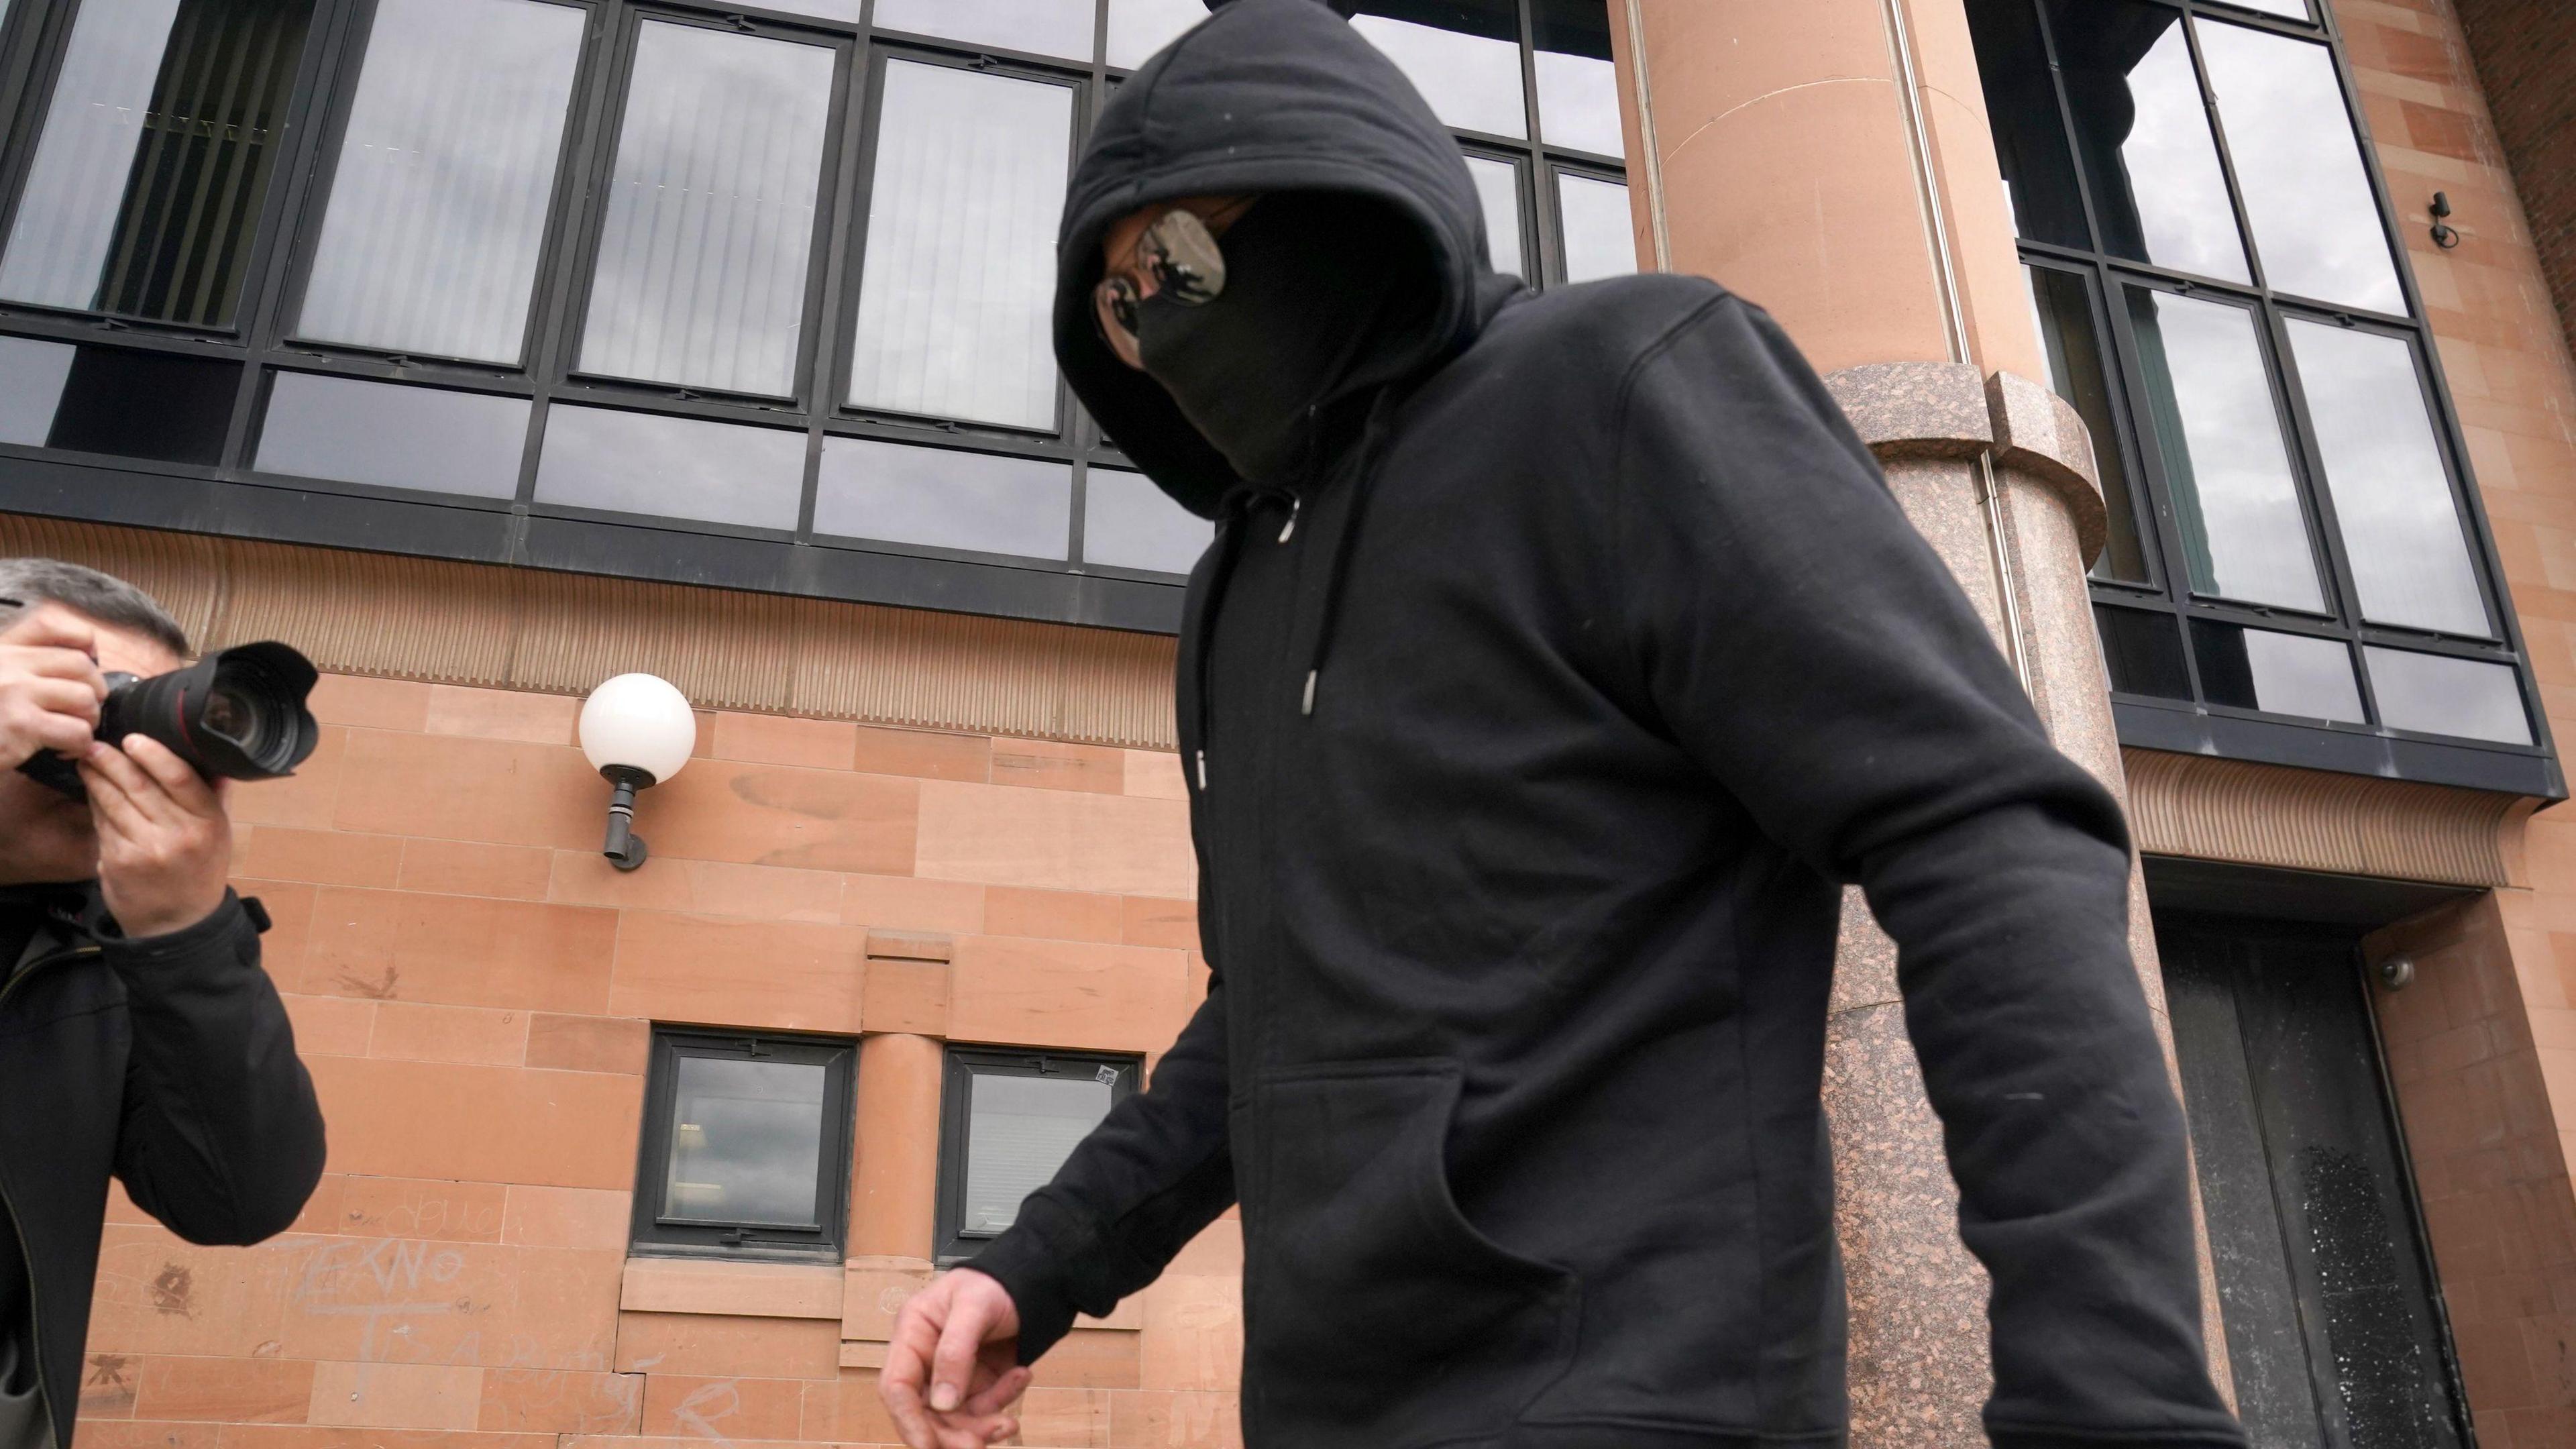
1559	659
138	1036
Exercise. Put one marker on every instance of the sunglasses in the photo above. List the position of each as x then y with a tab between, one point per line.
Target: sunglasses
1177	257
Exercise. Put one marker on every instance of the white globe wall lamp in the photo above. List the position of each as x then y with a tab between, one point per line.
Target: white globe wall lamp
638	731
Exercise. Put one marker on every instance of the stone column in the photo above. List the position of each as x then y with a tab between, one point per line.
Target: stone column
1830	160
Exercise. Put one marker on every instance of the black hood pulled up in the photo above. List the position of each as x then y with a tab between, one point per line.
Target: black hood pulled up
1266	96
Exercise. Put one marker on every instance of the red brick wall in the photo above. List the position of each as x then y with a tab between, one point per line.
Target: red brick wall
2526	57
471	986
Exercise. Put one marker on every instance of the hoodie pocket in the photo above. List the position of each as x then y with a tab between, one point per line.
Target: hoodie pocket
1376	1312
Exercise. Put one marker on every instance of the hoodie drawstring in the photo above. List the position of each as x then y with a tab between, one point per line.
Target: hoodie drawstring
1229	543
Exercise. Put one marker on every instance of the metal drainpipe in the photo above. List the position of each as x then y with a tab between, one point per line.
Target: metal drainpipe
1936	221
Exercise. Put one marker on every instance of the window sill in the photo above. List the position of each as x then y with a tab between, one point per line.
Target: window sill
742	1290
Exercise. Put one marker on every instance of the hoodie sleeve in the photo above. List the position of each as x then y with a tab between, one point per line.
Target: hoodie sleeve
1148	1178
221	1138
1797	635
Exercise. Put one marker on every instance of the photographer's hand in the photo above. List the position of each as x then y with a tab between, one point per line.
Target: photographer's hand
951	1373
164	841
50	686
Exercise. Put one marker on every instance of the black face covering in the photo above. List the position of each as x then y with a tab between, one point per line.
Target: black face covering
1314	290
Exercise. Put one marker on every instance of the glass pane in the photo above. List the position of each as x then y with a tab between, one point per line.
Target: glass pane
960	269
2142	652
1049	27
2392	497
2062	304
2236	507
2277	673
942	498
439	202
1463	55
2439	695
674	467
2295	9
1129	523
1022	1130
2143	135
1600	238
128	403
155	159
746	1142
2298	161
1498	186
2030	135
394	436
1138	28
710	215
1578	87
32	375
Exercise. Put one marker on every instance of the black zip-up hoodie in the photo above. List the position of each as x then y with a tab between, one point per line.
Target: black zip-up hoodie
1532	733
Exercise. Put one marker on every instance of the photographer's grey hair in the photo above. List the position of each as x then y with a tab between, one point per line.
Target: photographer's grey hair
103	598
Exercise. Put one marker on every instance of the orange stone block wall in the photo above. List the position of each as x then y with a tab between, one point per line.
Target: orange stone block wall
2483	1047
472	987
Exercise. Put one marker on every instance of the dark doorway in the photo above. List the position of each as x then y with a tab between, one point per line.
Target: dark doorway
2334	1328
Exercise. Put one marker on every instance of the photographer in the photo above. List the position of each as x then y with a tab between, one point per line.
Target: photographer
138	1035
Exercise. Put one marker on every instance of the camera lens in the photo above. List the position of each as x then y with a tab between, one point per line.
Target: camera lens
235	717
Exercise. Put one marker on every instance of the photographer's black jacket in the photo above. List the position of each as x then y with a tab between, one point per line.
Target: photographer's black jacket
167	1062
1536	754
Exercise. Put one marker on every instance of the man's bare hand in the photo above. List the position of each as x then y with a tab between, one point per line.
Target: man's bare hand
164	841
50	686
952	1373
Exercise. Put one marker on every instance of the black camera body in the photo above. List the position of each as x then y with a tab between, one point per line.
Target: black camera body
236	715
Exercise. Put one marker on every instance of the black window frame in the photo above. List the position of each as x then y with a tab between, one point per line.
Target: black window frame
235	498
951	1244
2198	725
652	1232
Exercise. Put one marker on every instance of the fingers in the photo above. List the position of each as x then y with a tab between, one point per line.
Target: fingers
179	781
961	1339
51	627
111	803
907	1368
998	1395
55	714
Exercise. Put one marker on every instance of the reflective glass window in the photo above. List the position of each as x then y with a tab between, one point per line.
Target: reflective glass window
944	498
32	375
2298	161
2401	525
1047	27
845	11
2294	9
393	436
959	272
155	158
2235	501
2294	674
1578	86
673	467
445	179
1600	235
1463	55
1498	186
1138	28
1129	523
746	1142
2436	694
2142	652
2062	305
2143	134
1019	1132
2030	135
710	211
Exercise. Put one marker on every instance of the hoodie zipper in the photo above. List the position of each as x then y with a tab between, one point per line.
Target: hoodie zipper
18	1225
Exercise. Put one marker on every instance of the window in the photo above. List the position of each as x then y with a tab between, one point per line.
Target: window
746	1145
1008	1120
756	297
2297	570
